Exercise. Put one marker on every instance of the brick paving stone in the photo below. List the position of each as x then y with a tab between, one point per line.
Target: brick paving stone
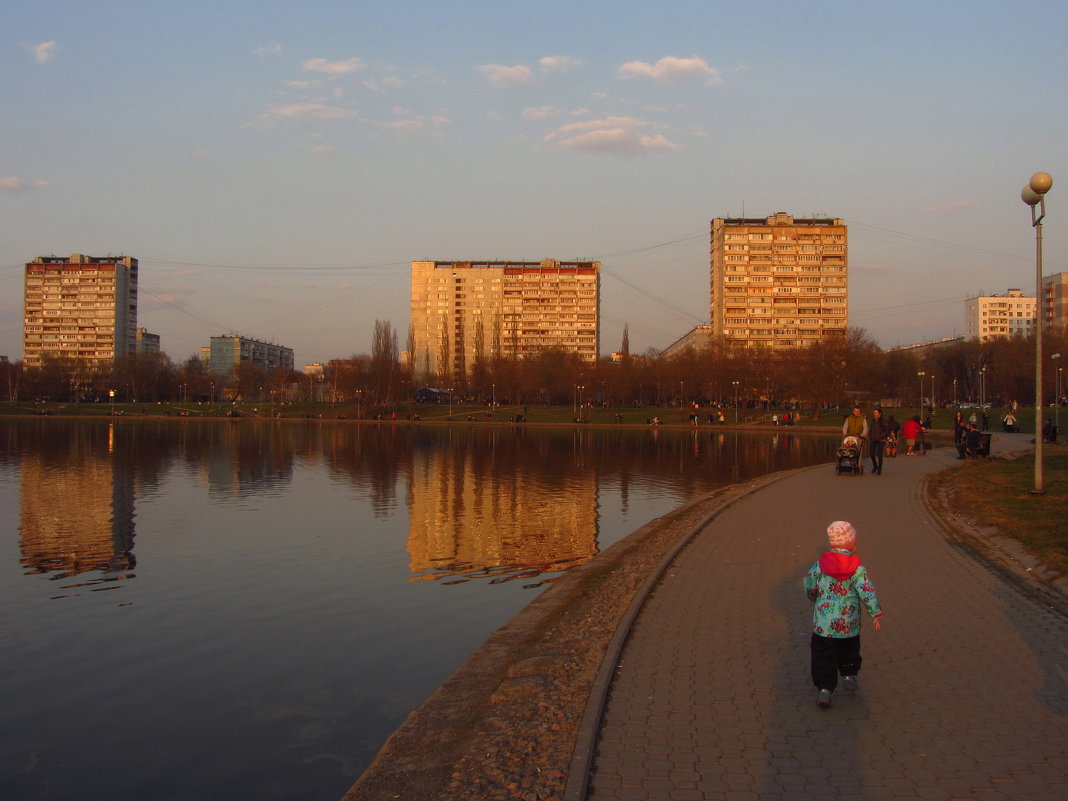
962	692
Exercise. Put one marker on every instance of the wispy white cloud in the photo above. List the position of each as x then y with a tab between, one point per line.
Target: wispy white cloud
13	183
302	84
618	135
305	111
45	51
410	124
671	70
504	77
552	65
383	84
333	68
541	112
268	49
951	207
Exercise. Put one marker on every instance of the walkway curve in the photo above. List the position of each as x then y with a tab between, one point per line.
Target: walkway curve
964	691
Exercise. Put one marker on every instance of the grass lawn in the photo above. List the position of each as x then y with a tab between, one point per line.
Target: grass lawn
995	492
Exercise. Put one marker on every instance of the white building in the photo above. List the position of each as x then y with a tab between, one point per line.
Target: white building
989	317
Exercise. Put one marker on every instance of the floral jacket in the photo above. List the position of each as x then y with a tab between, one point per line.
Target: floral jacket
838	584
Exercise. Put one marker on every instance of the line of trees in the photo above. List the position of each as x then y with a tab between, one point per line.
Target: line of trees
832	373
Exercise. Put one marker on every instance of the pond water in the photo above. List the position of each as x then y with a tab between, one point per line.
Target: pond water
247	609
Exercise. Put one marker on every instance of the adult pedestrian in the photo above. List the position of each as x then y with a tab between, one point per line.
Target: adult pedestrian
960	427
878	431
856	424
910	432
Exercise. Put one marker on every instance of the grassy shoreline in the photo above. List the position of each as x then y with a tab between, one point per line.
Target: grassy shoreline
995	494
465	413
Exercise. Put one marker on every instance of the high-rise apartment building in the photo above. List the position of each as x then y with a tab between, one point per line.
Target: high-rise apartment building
227	352
1055	301
81	307
463	311
779	282
989	317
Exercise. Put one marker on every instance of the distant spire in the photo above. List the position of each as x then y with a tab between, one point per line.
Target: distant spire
625	349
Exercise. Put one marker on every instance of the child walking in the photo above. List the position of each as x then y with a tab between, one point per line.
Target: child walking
838	585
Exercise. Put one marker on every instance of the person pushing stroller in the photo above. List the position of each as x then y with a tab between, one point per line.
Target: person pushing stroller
856	425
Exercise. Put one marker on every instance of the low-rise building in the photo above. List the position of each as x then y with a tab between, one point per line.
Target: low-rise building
227	352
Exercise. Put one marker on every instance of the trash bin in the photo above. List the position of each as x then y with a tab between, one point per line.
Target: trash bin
984	445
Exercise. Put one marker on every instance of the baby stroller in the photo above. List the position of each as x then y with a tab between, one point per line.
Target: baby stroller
849	457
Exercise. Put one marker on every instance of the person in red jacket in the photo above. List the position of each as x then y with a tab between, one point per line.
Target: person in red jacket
911	432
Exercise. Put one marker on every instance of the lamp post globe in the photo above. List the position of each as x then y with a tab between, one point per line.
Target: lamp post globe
1040	183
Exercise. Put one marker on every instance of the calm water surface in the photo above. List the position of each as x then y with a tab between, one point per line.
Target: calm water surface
234	610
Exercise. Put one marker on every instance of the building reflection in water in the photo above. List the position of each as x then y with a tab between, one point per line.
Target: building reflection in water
481	512
80	480
77	505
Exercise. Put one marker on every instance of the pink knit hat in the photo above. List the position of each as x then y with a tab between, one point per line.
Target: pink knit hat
842	535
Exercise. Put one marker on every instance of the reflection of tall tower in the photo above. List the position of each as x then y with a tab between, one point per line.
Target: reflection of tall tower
76	516
466	509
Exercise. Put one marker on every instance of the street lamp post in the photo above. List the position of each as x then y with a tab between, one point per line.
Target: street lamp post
1034	195
954	392
1057	392
919	402
735	402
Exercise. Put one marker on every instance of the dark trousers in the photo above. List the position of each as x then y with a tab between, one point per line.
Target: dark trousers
832	656
877	446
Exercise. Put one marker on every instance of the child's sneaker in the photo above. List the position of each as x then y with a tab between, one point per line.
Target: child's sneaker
824	699
850	684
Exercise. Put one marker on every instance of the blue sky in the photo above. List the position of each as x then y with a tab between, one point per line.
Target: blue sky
277	166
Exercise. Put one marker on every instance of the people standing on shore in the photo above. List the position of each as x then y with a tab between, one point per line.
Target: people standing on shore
878	431
838	585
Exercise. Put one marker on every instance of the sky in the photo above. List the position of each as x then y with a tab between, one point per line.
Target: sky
276	166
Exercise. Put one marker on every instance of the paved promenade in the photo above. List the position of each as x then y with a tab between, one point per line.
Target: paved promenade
964	691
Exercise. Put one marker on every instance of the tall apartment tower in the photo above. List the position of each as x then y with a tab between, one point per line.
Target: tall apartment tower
463	311
779	282
1055	301
82	307
988	317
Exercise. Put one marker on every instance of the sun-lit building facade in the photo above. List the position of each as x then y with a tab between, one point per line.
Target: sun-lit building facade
779	282
80	307
464	311
989	317
1055	301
